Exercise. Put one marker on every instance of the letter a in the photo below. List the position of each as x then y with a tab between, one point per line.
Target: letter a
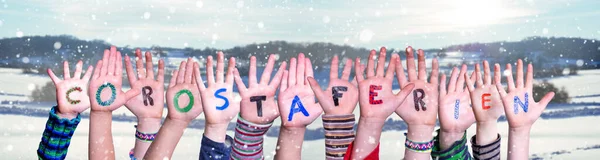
293	110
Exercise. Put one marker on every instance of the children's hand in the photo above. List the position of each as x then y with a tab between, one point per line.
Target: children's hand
296	100
520	108
105	88
377	102
150	103
341	96
258	100
217	98
183	100
422	105
71	92
485	98
456	114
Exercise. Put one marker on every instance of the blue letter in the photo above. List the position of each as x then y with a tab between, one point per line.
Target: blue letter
224	106
456	107
518	103
296	110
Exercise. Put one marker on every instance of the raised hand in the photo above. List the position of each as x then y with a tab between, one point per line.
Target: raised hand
71	93
422	106
183	100
519	111
217	98
485	98
150	103
296	100
258	100
456	114
105	88
341	96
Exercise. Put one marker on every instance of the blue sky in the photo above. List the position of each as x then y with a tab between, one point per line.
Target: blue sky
370	24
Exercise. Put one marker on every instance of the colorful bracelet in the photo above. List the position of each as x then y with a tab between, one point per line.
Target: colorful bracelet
148	137
131	155
423	147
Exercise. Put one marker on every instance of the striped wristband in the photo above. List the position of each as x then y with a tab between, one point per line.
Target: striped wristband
248	142
339	133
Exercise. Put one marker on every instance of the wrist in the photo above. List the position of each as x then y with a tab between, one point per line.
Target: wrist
520	130
66	115
148	125
420	133
216	132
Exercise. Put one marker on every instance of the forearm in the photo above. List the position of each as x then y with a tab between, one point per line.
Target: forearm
100	139
57	136
147	126
487	132
339	133
248	143
289	144
518	143
418	133
367	137
216	132
166	140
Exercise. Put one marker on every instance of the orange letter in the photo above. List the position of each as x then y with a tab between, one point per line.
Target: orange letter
483	100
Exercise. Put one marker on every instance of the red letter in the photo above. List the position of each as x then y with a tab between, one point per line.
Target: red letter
483	100
372	94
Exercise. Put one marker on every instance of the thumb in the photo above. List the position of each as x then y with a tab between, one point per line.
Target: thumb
547	98
316	89
131	93
401	96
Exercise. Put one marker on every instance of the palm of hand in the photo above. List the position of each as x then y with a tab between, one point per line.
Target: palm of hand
61	93
456	117
516	115
494	103
388	99
307	98
408	112
106	94
136	104
249	110
183	112
347	102
215	109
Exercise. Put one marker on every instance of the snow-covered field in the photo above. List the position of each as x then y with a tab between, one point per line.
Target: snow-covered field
20	135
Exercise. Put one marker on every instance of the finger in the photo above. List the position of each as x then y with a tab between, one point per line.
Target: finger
66	72
132	93
358	72
105	59
53	77
129	70
443	90
189	66
389	74
88	73
284	82
400	76
238	81
314	85
278	76
422	65
198	77
371	64
478	75
308	70
99	65
347	70
519	74
173	80
509	77
78	70
434	71
266	76
529	81
139	65
149	66
498	80
544	101
453	78
119	65
181	74
487	79
460	84
221	67
230	68
300	69
410	64
333	73
381	62
291	78
252	72
161	71
210	76
470	84
401	96
112	61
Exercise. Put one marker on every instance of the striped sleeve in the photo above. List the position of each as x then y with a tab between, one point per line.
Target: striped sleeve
458	151
57	137
488	151
248	141
339	134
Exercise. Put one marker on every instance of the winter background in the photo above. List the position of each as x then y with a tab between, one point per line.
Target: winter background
559	36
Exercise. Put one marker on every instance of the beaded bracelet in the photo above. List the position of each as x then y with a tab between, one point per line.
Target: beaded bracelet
423	147
131	155
148	137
